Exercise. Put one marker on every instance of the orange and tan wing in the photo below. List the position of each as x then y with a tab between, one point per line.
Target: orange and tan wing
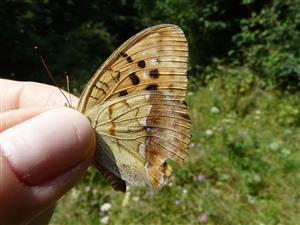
154	59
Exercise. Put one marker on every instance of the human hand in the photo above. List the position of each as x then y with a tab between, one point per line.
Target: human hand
44	150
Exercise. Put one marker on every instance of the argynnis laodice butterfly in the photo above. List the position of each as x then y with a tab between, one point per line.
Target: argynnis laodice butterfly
135	102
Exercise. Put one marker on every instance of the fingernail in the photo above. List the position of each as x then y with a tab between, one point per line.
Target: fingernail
46	146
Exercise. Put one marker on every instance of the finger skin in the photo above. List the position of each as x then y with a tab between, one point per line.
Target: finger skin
21	203
14	117
15	95
50	142
54	150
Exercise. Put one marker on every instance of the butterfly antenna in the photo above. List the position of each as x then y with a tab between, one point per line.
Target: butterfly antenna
68	87
37	50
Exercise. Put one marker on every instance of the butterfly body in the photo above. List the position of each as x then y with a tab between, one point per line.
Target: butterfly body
135	104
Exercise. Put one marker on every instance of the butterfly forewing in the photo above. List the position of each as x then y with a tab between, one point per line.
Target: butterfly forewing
154	59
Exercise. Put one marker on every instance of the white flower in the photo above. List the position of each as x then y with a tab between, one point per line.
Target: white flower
228	120
208	132
75	193
135	199
95	190
256	117
105	207
104	220
214	110
286	151
274	146
192	145
251	199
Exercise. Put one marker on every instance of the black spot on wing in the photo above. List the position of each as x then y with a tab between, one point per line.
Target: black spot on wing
154	73
129	59
118	75
134	79
152	87
123	93
123	54
141	64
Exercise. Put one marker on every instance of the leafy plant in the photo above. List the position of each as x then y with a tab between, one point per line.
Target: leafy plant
269	42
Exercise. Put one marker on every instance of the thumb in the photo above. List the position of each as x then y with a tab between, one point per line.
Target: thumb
41	159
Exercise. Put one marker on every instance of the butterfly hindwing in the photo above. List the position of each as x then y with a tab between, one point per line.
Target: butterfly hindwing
154	59
137	133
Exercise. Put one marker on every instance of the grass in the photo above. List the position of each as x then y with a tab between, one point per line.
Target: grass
243	168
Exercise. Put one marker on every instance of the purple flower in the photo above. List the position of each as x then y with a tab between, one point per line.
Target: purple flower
150	193
200	178
203	218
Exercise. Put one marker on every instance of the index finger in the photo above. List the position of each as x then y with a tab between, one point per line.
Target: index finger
16	94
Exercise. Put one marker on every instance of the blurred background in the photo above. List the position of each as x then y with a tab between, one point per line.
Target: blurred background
243	97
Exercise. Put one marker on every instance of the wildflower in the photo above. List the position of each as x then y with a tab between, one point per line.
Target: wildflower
75	193
256	117
104	220
192	145
203	218
251	199
243	135
95	191
150	193
228	120
105	207
274	146
286	151
135	198
208	132
214	110
177	202
200	178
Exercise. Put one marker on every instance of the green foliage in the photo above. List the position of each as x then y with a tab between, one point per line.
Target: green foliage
243	168
209	25
269	43
76	36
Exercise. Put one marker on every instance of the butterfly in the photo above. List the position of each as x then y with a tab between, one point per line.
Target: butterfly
135	103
